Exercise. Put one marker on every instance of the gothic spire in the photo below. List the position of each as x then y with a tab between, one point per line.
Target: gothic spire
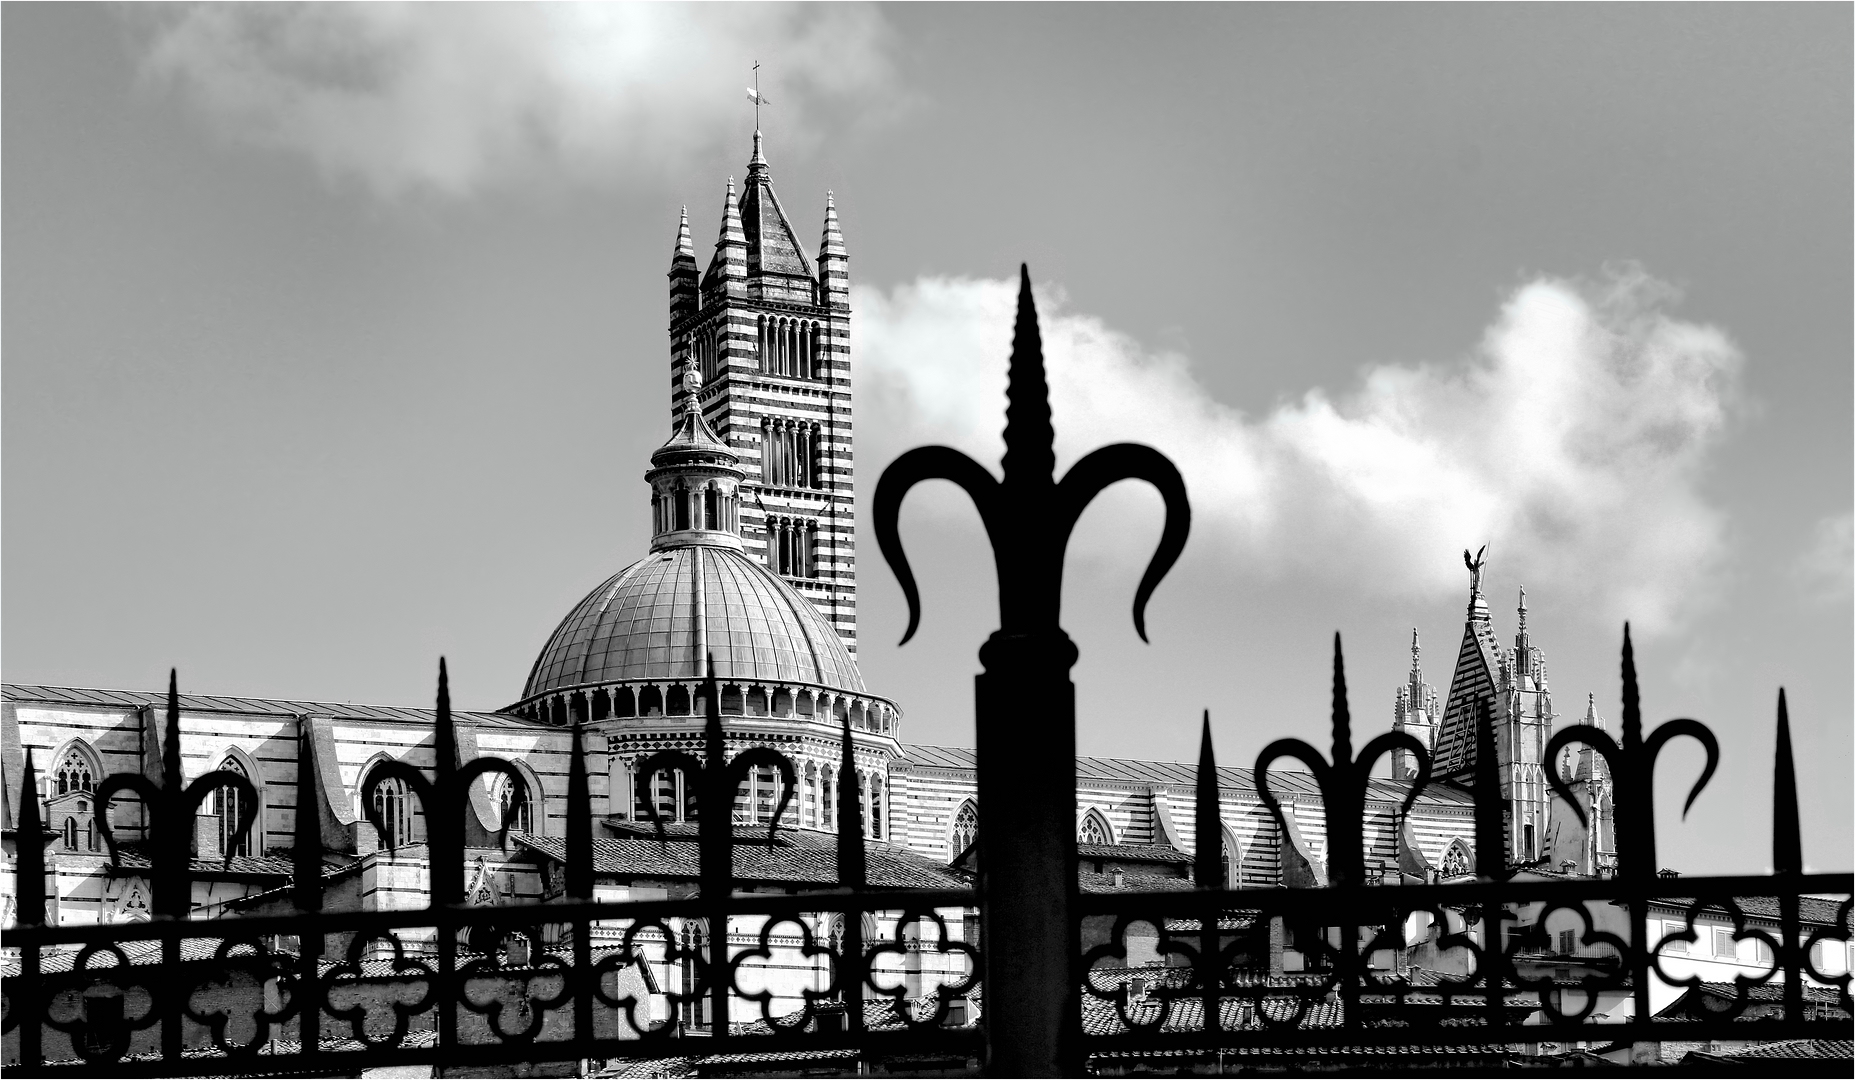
757	166
833	242
685	248
1416	657
684	299
731	231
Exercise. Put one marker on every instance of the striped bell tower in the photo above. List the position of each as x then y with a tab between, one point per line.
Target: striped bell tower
766	333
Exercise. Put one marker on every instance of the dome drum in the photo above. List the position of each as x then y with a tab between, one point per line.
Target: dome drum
645	700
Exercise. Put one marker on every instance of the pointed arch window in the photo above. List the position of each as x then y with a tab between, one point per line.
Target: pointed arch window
518	816
393	801
75	772
1095	830
965	829
229	805
1458	860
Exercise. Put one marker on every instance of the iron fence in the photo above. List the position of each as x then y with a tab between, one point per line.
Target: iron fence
1052	985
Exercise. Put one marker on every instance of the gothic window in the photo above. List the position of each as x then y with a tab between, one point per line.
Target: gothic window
75	772
828	801
230	805
1458	860
965	828
516	815
393	802
1095	830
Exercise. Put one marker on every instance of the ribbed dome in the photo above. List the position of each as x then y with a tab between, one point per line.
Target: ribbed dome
642	624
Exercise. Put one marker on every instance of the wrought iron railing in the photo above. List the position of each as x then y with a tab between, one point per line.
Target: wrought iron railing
1051	985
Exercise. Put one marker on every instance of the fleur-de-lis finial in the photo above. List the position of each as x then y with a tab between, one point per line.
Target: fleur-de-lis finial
1028	516
1343	781
1632	769
1026	722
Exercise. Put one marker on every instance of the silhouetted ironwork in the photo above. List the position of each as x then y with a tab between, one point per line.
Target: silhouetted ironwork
279	993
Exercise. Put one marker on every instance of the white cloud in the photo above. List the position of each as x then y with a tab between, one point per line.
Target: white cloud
1826	568
449	97
1572	439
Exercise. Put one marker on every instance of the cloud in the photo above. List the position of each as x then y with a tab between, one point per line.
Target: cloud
1826	568
450	98
1572	439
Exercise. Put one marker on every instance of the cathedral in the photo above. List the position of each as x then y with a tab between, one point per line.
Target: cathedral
751	560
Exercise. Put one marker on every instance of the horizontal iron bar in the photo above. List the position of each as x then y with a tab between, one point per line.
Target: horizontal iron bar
1439	1033
507	915
1348	900
966	1041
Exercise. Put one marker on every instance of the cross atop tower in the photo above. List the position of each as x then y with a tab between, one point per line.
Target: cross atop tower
759	99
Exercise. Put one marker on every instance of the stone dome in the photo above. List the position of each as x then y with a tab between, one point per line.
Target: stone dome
650	621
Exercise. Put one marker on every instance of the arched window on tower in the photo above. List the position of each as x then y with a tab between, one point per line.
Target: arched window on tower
877	802
965	829
711	508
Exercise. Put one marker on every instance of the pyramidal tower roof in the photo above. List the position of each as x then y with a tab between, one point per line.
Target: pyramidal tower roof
772	245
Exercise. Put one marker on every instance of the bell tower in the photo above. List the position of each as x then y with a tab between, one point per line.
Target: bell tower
764	334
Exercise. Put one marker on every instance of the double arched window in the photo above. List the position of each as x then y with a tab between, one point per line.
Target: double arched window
518	816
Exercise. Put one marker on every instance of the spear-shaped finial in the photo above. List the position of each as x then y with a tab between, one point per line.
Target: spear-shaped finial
1208	861
579	881
1632	697
306	852
1786	833
1342	716
1030	454
170	750
29	869
444	739
852	871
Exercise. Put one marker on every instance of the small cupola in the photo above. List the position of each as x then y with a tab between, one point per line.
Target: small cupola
695	482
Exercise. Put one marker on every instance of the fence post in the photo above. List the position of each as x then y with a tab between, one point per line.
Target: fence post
1025	704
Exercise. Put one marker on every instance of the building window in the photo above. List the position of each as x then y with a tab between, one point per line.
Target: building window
876	805
790	547
965	829
1674	948
74	773
516	815
675	799
1094	830
231	804
1568	942
1723	944
393	804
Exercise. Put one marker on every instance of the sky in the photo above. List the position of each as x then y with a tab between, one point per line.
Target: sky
335	341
